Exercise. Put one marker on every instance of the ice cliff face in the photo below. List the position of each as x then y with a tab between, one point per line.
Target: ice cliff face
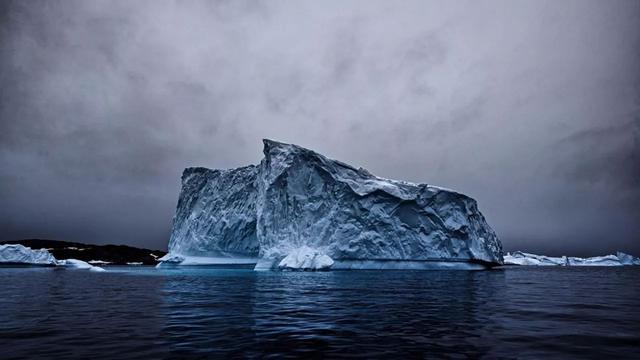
297	202
216	213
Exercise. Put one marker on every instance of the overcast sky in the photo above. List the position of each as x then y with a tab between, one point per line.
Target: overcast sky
530	107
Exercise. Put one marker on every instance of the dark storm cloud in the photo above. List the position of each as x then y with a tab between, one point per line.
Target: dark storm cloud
531	107
612	156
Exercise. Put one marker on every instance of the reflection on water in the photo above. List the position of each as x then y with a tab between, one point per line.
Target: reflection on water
367	313
215	313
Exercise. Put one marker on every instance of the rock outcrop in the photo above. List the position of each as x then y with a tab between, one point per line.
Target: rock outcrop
297	199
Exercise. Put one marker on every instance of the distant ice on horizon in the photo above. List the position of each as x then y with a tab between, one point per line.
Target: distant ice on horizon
526	259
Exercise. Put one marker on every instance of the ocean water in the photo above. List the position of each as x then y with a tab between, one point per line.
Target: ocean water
140	313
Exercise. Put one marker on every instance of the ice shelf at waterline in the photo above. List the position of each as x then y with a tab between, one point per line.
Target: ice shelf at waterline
298	209
522	258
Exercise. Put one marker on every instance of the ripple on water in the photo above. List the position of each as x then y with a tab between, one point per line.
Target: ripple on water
148	313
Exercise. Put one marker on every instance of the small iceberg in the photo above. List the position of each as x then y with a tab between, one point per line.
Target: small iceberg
523	258
526	259
79	265
170	259
305	259
18	255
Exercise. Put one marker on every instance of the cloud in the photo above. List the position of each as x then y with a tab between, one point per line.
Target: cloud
606	154
530	107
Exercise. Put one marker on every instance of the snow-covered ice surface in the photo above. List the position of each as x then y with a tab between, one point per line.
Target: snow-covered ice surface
522	258
298	199
78	264
22	255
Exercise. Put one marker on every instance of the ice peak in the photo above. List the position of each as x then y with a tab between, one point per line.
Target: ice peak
276	149
271	146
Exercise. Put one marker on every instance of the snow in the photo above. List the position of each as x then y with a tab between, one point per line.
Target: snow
98	262
305	258
522	258
298	199
18	254
135	263
75	248
79	265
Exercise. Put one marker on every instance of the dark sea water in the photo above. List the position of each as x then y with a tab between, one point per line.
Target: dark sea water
140	313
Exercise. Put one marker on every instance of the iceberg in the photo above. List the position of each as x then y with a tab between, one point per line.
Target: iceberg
298	209
15	254
627	259
170	260
79	265
522	258
303	259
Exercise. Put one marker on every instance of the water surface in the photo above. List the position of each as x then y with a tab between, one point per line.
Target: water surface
216	313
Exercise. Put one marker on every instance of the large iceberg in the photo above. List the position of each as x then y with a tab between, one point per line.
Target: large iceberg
522	258
15	254
299	209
